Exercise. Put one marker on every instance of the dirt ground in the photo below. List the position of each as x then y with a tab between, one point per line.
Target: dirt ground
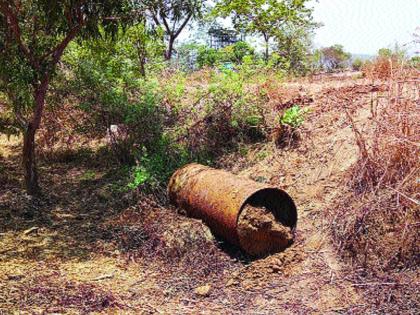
85	247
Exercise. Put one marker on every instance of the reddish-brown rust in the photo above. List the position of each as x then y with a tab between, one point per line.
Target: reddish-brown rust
218	197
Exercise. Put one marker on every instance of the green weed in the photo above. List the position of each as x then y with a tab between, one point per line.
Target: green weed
294	116
88	175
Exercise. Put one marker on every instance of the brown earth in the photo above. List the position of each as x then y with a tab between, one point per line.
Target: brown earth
86	248
260	233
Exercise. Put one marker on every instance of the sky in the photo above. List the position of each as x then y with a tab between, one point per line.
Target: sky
364	26
361	26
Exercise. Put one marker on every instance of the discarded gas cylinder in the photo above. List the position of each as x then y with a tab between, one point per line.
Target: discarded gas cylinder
256	217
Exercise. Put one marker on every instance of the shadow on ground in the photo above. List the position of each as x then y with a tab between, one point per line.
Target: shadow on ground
78	196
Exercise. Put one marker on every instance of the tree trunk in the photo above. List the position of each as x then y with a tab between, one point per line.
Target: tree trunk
29	165
169	50
266	52
28	154
266	39
141	50
143	67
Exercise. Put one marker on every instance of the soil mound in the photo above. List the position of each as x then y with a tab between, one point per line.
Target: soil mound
260	233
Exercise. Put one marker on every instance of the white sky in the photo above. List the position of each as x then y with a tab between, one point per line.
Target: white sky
364	26
361	26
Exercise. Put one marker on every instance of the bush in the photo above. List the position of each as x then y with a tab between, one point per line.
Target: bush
187	55
415	62
286	133
205	124
380	68
357	64
293	117
207	57
234	54
386	64
219	114
155	168
156	124
122	106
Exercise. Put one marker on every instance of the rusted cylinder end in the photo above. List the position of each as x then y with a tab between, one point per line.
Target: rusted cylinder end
256	217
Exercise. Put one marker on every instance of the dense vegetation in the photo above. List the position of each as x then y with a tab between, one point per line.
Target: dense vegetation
116	49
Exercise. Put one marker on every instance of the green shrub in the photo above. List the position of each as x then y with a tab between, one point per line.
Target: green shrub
155	167
415	62
232	54
173	89
244	107
207	57
231	112
164	124
112	91
139	175
357	64
294	116
235	53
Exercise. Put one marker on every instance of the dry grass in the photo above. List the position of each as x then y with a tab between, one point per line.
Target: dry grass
47	293
59	251
376	224
381	68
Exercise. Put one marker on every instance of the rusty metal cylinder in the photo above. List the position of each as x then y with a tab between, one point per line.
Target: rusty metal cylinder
217	197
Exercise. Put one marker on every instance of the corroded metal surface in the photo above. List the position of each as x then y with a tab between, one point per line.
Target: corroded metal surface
218	197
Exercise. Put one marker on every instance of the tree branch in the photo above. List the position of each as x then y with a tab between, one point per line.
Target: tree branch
165	23
70	36
182	25
12	21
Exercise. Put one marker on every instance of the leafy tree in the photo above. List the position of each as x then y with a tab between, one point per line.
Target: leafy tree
385	53
142	43
207	56
33	37
173	16
240	50
235	53
334	57
265	17
396	53
293	45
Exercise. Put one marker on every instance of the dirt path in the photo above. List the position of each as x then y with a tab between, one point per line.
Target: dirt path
78	258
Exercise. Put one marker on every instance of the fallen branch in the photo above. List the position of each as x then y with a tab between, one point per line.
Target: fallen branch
404	195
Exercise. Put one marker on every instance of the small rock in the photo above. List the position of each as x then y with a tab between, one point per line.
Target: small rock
231	282
15	277
248	285
203	290
275	268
